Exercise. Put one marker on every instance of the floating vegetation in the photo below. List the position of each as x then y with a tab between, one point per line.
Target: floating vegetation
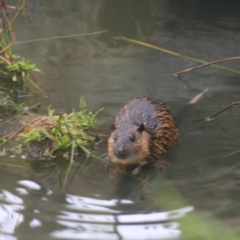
52	144
56	133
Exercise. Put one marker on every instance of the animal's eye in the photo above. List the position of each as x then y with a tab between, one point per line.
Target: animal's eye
115	138
132	138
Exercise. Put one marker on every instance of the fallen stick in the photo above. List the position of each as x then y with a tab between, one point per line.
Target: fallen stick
205	65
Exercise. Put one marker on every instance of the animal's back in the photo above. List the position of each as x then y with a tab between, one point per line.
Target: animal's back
139	110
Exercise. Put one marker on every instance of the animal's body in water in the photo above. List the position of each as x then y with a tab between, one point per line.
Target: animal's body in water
144	130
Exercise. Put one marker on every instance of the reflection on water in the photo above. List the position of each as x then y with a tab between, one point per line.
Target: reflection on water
10	218
204	164
76	217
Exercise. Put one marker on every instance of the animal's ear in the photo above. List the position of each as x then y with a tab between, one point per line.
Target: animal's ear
112	127
141	128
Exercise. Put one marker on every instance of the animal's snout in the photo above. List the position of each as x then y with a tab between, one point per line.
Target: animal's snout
121	150
121	153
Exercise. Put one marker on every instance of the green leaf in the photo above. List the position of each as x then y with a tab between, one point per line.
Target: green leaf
50	110
83	103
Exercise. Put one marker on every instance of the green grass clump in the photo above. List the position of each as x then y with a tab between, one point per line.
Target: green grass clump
63	129
33	135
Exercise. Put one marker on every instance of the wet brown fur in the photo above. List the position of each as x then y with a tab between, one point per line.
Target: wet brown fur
159	133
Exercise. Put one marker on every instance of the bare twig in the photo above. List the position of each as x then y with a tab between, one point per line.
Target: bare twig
184	110
11	165
205	65
209	118
33	82
5	60
2	50
5	15
62	37
15	132
222	110
230	169
171	52
196	98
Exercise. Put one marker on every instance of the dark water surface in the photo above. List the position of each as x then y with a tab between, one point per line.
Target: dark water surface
204	165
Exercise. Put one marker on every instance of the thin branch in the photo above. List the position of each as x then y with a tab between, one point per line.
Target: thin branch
2	50
33	82
5	14
5	60
61	37
205	65
222	110
11	165
15	132
196	98
172	53
210	118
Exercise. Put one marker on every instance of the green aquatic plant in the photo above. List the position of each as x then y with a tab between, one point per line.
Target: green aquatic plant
50	110
20	107
86	120
33	135
63	129
21	67
64	142
13	67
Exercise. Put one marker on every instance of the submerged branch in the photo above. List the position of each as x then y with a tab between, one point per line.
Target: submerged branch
222	110
229	169
210	118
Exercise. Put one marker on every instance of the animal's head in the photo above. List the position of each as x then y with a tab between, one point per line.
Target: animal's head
129	143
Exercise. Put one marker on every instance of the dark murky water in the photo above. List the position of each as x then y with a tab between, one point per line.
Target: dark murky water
204	165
